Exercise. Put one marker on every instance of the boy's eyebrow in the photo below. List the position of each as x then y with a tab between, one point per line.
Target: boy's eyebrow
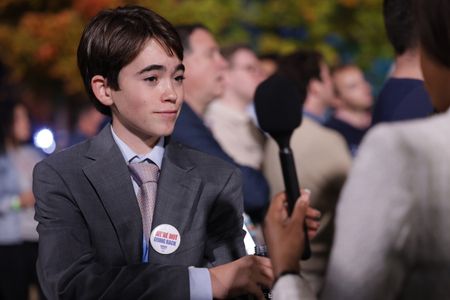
149	68
152	68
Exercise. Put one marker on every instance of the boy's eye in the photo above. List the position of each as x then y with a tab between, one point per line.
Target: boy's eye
179	78
151	79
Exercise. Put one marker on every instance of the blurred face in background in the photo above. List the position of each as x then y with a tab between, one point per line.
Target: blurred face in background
205	68
21	127
244	74
352	89
89	121
268	66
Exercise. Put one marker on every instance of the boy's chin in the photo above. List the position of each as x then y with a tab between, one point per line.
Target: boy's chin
167	131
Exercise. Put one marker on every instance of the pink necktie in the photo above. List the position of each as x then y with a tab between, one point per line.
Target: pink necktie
146	176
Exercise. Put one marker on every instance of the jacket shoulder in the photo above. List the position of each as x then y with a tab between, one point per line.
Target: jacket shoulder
72	156
181	153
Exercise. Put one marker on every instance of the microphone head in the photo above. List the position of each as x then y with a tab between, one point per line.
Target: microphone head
278	105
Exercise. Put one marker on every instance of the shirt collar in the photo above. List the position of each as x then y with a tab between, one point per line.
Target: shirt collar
314	117
232	115
155	155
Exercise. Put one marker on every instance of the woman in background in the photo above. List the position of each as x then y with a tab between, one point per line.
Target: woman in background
18	236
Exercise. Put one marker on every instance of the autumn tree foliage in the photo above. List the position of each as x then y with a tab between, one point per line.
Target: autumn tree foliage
38	38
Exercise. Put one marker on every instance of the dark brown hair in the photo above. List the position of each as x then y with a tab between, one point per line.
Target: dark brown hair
185	31
7	108
433	19
400	25
115	37
301	66
229	51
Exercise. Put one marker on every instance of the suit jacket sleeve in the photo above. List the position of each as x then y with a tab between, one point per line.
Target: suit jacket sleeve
67	265
225	233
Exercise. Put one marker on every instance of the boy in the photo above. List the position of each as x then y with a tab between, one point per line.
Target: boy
102	232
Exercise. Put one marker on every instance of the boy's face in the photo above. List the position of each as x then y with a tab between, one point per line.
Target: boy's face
149	96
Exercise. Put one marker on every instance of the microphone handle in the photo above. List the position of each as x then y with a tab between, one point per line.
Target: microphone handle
293	190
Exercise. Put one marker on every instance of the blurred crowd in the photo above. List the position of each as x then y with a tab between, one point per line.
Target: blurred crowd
339	110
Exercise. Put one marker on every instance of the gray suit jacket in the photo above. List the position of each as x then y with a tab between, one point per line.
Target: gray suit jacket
392	234
90	227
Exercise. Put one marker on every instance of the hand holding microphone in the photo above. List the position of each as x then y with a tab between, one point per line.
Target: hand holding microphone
279	112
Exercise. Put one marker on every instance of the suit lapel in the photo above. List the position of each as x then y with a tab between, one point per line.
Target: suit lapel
111	179
178	192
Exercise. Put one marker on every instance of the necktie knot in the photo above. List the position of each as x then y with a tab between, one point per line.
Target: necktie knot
144	172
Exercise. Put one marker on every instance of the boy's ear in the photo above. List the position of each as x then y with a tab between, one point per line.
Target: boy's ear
101	90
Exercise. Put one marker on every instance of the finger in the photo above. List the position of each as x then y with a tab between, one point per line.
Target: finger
306	191
262	278
281	195
299	212
284	212
305	194
312	234
262	261
313	213
267	272
256	291
263	266
310	212
312	224
277	207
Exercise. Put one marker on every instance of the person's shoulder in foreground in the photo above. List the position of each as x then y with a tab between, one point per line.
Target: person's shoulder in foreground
403	96
402	99
373	259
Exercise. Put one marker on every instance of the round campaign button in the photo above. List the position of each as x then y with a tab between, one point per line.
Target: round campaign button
165	239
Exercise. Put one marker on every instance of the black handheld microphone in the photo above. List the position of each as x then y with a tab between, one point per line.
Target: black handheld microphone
279	112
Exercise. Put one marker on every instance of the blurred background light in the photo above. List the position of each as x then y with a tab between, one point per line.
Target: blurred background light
44	139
